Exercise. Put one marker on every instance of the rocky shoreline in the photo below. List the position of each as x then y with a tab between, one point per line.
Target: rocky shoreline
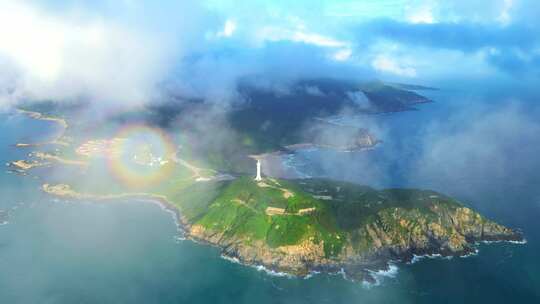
58	140
354	272
307	258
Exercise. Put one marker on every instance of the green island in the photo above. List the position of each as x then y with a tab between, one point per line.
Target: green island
295	226
308	225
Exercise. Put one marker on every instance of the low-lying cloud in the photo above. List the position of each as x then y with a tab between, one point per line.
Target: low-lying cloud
74	57
480	147
133	52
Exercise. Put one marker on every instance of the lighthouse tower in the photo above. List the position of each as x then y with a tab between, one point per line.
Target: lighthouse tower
258	177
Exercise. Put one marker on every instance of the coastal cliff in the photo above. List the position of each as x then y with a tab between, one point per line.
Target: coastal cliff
353	229
315	225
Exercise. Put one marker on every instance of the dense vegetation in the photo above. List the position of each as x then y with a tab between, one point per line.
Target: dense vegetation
239	210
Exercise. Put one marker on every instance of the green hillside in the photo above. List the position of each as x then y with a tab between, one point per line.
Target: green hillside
334	214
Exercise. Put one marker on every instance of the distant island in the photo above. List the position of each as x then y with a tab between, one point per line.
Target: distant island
294	226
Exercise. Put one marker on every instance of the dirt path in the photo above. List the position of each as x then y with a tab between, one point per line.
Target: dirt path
241	202
286	192
196	171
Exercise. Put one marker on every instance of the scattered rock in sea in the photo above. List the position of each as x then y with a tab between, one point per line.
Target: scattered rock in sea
3	217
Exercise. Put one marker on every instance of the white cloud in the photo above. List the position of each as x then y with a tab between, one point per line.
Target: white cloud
298	34
58	57
423	14
343	54
316	39
504	16
360	99
31	41
120	50
385	64
340	49
228	29
478	141
314	91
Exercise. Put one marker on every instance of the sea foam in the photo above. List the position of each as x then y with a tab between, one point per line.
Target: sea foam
260	268
380	275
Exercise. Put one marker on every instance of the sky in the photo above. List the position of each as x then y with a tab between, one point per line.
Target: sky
134	51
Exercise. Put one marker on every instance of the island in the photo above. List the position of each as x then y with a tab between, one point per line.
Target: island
316	225
296	226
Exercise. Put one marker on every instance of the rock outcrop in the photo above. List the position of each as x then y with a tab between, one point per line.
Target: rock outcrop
392	234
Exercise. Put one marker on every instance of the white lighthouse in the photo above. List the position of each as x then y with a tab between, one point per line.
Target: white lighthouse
258	177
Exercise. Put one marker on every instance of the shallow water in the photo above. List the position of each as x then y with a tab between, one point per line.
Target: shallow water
127	252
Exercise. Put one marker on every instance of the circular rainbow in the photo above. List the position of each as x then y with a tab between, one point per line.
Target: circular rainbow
142	156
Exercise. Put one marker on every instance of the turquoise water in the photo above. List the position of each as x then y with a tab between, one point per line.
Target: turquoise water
128	252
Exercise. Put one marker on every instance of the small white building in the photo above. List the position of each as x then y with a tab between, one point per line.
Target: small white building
258	177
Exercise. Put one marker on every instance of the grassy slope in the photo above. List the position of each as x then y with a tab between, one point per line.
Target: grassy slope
239	211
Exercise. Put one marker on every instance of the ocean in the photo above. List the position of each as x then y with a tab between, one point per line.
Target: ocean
55	251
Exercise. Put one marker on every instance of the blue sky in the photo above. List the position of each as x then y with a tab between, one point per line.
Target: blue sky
124	50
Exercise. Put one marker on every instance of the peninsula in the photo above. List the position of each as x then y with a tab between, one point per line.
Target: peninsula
317	225
295	226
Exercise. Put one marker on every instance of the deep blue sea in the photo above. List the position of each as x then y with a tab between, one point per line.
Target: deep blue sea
63	252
